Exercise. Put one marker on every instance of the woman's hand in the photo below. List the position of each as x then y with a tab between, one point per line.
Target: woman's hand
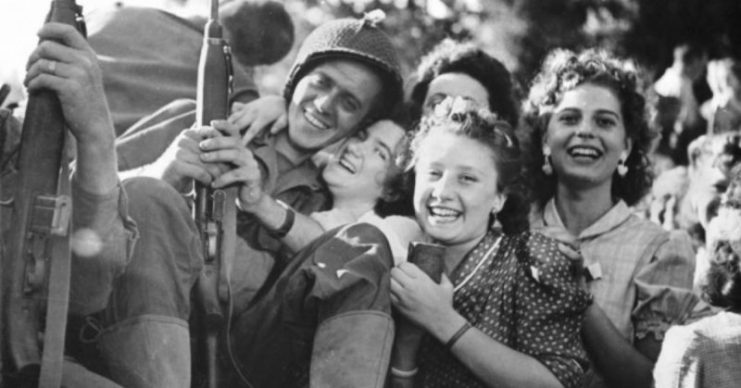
569	246
256	115
419	298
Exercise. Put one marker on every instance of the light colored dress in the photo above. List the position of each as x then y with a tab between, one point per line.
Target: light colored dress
704	354
647	272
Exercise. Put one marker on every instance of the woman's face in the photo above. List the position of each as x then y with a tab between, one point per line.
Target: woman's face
455	190
359	168
586	135
455	85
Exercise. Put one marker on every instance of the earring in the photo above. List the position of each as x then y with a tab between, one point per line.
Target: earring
622	169
493	218
547	168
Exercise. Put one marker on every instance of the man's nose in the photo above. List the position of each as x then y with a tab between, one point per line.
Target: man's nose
323	103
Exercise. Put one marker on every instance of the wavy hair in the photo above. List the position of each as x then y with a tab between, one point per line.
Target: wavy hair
450	56
487	129
564	70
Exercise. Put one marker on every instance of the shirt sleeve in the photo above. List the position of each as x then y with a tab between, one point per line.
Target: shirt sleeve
102	240
678	364
664	287
550	310
244	88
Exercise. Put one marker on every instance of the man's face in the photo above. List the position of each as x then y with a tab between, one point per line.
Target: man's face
329	102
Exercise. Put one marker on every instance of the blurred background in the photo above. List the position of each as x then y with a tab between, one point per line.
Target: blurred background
518	32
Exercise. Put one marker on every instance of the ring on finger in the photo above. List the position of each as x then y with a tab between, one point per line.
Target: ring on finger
52	67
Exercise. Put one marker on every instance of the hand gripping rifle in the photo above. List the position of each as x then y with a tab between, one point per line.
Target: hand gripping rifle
214	210
35	278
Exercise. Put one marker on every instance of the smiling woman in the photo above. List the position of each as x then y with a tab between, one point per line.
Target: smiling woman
467	167
590	139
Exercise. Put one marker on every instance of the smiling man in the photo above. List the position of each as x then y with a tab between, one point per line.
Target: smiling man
345	76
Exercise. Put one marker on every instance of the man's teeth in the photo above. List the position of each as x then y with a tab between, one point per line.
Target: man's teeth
314	121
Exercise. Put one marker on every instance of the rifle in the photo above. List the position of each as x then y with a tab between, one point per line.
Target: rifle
36	269
214	211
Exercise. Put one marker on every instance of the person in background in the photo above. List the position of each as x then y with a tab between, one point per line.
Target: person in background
149	57
723	110
455	68
705	353
590	139
678	111
506	294
687	198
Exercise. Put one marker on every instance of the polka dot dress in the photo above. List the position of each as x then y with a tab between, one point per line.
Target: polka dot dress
523	295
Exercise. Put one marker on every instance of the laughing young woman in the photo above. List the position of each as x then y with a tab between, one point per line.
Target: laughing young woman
508	311
590	164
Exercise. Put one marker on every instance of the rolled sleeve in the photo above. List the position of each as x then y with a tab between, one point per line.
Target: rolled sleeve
102	240
664	288
244	88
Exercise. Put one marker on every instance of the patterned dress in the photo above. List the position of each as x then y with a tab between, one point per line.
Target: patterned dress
519	290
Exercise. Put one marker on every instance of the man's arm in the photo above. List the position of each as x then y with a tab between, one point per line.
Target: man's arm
298	230
65	63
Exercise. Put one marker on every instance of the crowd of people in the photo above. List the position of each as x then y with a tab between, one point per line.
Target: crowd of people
564	263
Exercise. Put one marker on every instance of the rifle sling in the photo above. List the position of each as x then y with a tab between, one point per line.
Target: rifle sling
57	304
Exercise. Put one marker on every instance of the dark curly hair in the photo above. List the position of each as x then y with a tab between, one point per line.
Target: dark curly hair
721	286
484	127
564	70
397	192
450	56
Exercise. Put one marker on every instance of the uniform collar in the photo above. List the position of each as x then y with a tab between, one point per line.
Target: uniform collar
305	173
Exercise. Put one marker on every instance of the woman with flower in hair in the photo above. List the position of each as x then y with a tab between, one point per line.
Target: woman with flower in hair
590	140
507	311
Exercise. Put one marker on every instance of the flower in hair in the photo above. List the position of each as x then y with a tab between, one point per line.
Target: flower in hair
374	17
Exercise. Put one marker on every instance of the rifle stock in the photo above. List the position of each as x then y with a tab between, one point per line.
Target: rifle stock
38	259
214	210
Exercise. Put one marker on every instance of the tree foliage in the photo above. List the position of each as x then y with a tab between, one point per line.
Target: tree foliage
521	32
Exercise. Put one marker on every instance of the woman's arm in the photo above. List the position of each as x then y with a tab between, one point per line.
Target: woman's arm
494	363
430	306
614	357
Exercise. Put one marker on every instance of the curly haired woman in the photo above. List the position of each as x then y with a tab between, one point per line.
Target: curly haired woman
589	164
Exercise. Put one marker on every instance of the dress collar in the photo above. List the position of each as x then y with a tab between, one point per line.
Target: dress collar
619	213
